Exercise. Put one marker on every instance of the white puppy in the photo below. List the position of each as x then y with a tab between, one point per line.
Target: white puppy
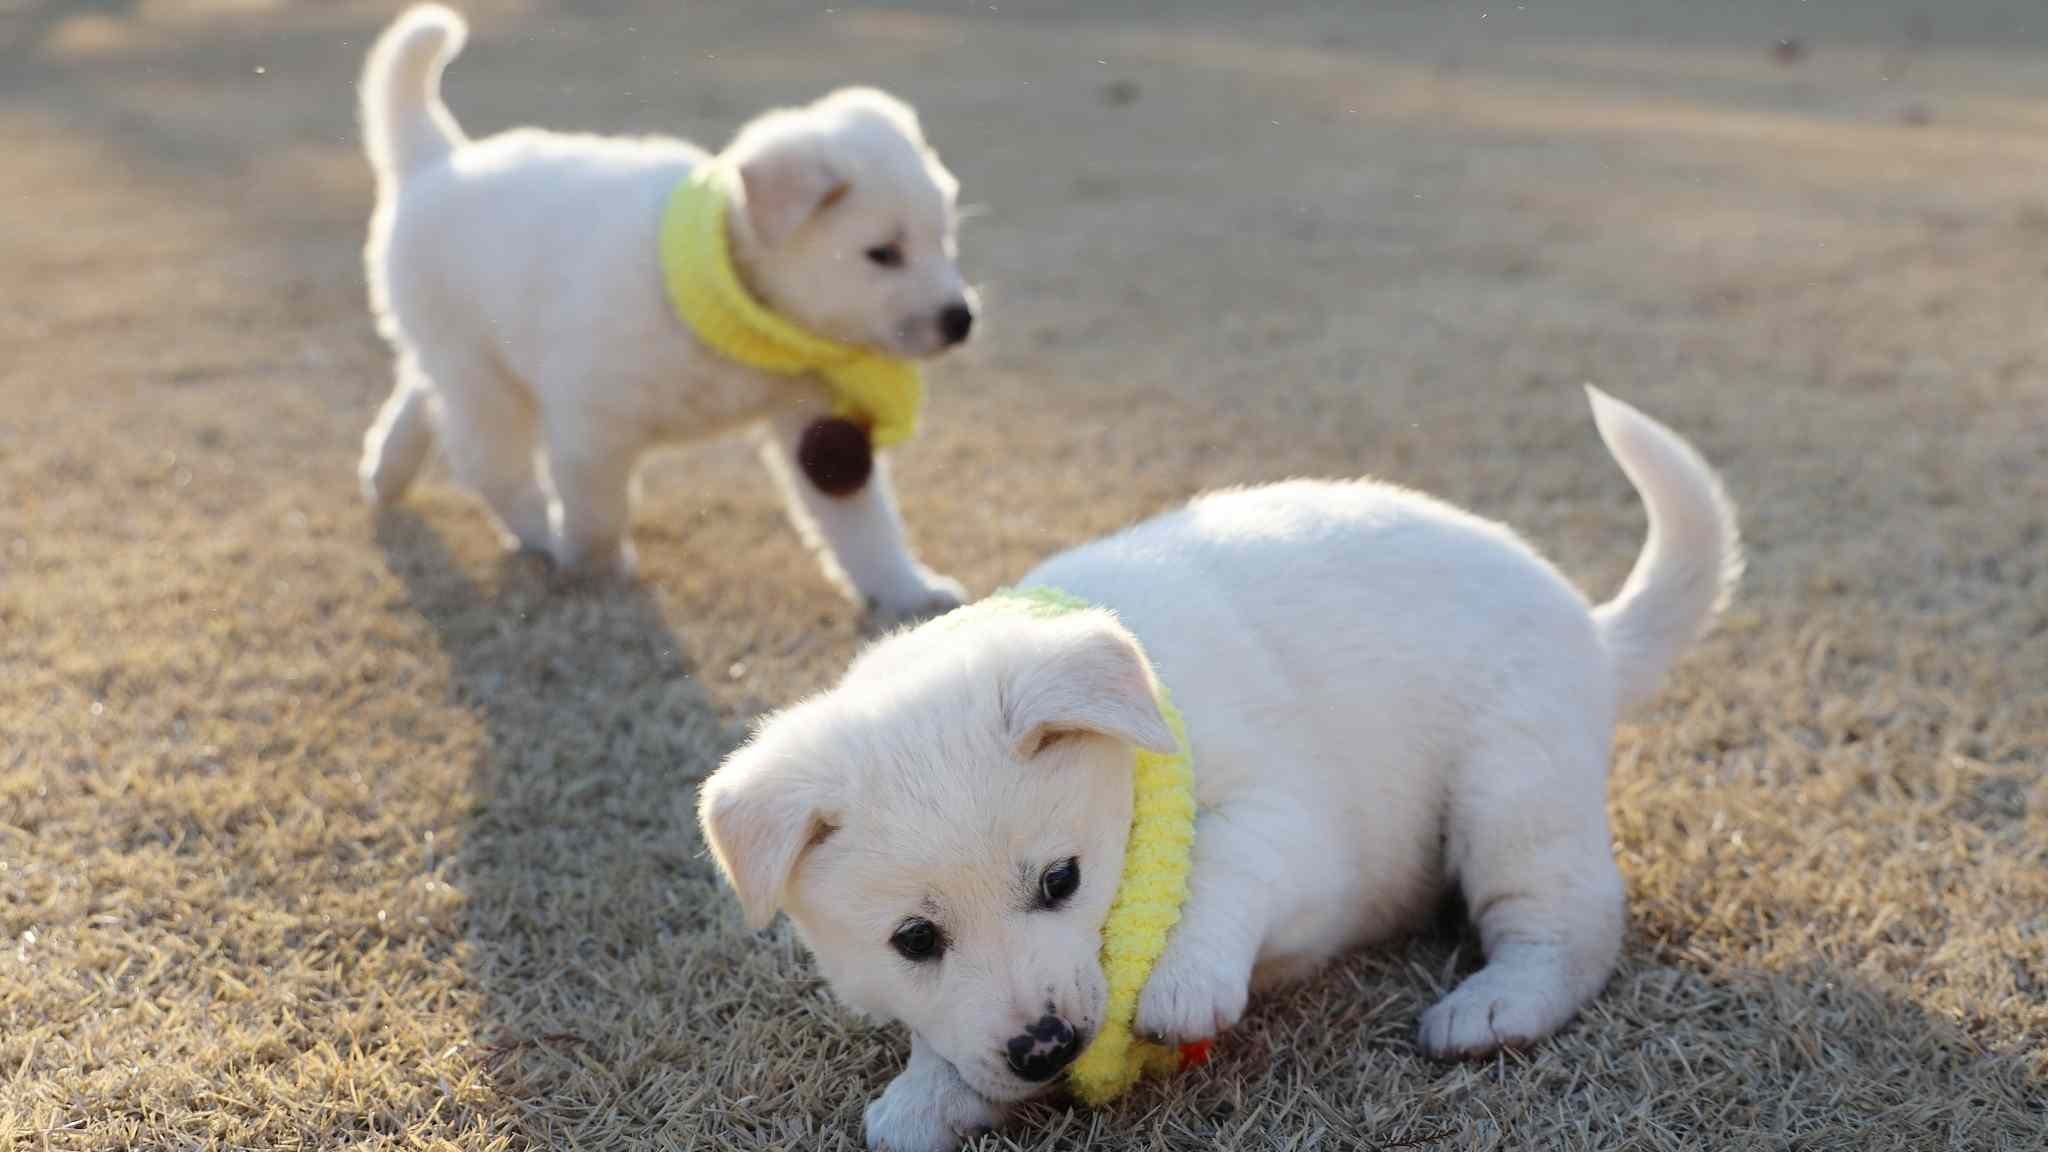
1385	698
519	280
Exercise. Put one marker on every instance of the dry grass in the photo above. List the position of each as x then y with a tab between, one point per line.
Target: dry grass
317	831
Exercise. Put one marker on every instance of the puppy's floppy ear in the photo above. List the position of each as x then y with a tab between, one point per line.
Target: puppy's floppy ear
760	812
786	177
863	100
1088	675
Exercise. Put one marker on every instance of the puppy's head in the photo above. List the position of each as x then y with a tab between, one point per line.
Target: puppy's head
845	223
946	829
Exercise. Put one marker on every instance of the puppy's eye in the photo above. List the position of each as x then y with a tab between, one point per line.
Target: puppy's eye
886	255
918	940
1058	882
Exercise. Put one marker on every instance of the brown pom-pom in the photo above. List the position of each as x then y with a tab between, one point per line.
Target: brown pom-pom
836	456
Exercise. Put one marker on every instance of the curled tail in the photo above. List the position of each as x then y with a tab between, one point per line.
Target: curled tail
405	125
1690	562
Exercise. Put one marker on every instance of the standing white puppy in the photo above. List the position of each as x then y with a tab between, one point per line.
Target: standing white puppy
1384	698
523	281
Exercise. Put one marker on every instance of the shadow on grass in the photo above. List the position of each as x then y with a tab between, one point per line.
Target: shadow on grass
576	858
1674	1054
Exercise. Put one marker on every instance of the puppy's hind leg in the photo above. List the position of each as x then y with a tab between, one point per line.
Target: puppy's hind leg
1530	844
491	433
398	441
859	536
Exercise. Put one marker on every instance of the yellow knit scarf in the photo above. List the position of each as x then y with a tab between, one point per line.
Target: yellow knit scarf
884	393
1149	894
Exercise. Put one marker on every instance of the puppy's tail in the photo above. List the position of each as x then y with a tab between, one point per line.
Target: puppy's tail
1690	563
405	125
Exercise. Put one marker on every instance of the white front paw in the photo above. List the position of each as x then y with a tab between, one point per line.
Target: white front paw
923	1114
928	594
597	562
1192	995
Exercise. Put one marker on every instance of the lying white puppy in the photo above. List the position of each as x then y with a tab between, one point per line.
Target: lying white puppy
1384	697
520	281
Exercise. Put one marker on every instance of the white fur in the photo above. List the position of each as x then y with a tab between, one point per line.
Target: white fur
1385	696
518	279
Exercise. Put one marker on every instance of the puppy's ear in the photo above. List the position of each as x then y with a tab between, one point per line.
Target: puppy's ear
760	812
787	177
873	102
1089	676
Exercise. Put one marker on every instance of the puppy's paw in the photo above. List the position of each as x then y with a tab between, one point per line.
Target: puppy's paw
515	545
927	1114
528	535
1191	996
612	562
1493	1010
929	595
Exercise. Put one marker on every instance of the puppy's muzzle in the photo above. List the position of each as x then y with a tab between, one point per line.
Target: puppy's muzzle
956	320
1042	1050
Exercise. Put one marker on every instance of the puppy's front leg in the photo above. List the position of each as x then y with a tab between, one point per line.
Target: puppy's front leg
1201	983
591	465
928	1107
859	536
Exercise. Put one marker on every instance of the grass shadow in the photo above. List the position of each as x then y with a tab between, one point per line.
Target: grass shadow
1676	1053
577	857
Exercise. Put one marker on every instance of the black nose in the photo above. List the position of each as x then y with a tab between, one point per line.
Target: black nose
1044	1048
955	322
